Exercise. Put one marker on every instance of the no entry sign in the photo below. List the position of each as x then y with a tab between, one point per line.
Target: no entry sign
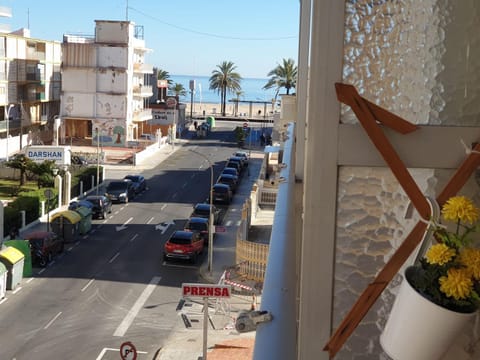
206	291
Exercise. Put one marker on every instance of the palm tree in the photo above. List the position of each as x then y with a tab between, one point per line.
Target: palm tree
178	90
224	79
163	75
284	75
238	93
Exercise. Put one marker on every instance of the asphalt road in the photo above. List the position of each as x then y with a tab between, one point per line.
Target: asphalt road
113	286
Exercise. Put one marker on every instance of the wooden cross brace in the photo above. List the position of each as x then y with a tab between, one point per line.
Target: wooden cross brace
369	116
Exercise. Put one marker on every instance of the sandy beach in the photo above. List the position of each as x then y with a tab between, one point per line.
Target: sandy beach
244	109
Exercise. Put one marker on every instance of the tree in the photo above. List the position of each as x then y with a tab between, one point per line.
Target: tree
163	75
225	80
22	163
44	172
178	89
284	75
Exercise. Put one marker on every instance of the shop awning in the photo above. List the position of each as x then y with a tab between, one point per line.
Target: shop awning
12	255
70	215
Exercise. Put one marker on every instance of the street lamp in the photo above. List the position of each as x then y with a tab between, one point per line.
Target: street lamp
98	158
210	217
7	114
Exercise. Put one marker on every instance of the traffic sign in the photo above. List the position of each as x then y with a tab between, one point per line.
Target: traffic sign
128	351
171	102
205	291
48	194
245	125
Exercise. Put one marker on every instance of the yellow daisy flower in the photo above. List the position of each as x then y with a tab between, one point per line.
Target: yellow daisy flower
456	284
470	258
439	254
460	208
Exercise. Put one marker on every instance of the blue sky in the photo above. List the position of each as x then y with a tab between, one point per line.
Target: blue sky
188	37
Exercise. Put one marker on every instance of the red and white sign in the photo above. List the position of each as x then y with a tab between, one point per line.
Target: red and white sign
171	102
128	351
206	291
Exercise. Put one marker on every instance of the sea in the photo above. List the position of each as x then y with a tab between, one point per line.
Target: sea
251	88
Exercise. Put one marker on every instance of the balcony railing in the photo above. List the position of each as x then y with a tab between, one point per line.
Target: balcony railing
142	115
277	338
143	90
143	68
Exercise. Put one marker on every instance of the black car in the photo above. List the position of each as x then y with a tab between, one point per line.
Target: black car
231	171
120	191
238	160
203	210
234	164
221	193
243	155
199	225
79	160
138	181
102	206
230	180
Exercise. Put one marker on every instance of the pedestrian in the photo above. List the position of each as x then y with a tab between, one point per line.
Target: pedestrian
262	139
195	124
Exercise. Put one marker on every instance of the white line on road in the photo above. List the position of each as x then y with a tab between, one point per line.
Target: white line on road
174	196
30	280
128	319
17	290
134	237
163	207
114	257
184	185
192	176
228	223
51	321
151	219
70	248
3	300
41	271
88	284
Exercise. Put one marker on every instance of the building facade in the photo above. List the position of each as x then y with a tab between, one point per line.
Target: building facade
105	85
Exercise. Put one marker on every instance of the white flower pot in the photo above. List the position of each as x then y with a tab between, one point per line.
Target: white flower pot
419	329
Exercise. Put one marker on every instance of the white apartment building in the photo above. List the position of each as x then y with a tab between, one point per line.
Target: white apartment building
30	81
105	89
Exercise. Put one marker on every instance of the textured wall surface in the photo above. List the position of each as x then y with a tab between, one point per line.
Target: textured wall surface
420	60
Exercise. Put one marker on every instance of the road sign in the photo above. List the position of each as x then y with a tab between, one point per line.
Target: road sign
128	351
171	102
205	291
220	229
245	126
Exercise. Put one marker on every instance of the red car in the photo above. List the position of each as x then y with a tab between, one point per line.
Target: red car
44	245
183	245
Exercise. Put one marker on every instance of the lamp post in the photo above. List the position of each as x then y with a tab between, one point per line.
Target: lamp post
7	114
98	159
210	217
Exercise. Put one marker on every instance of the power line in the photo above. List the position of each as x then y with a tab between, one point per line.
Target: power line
211	34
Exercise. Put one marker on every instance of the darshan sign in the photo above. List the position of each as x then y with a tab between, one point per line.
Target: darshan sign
206	291
40	153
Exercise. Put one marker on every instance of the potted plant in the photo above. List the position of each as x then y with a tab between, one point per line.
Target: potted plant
439	294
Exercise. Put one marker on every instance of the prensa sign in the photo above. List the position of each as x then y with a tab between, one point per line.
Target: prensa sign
206	291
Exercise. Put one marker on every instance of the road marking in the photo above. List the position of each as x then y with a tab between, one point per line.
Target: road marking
41	271
174	196
30	280
17	290
228	223
3	300
51	321
128	319
151	219
192	176
165	263
104	351
184	185
88	284
123	226
163	207
134	237
114	257
70	248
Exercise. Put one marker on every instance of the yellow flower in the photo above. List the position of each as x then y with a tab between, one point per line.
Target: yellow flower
439	254
470	258
456	284
460	208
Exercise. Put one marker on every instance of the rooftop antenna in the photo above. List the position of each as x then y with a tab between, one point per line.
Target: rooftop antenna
126	11
28	18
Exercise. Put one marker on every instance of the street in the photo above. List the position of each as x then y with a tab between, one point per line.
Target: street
113	286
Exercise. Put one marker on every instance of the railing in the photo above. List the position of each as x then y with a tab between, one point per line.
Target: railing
144	114
143	68
143	90
253	259
268	196
277	339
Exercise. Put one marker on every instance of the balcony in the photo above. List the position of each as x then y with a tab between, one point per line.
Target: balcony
143	68
142	90
142	115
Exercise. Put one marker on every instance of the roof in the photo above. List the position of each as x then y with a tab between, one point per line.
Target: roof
12	255
70	215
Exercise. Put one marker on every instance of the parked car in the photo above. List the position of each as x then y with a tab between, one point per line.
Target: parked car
203	210
231	171
234	164
78	160
221	193
102	206
138	181
120	191
243	155
230	180
200	225
77	203
43	246
184	245
239	160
